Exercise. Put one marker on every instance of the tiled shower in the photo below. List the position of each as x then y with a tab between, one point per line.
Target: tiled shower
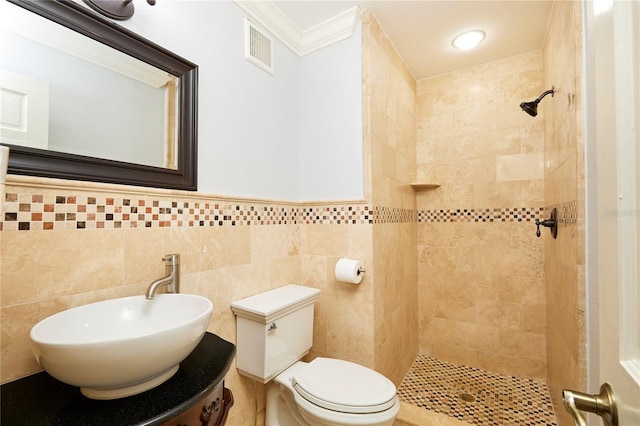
492	295
453	272
481	268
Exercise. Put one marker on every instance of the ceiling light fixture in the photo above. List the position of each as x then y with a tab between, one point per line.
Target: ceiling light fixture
468	40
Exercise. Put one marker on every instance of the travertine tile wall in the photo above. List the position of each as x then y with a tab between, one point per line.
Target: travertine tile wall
344	313
564	188
229	250
482	289
64	245
46	271
389	148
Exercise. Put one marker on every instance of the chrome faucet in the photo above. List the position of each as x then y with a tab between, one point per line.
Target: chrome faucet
172	280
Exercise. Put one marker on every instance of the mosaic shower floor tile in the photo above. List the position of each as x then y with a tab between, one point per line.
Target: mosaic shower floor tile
476	396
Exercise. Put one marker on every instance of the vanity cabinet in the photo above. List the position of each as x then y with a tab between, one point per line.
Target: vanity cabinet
194	396
210	411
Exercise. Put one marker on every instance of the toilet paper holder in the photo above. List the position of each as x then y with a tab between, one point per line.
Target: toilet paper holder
349	271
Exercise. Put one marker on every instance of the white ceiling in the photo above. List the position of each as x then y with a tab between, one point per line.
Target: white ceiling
422	30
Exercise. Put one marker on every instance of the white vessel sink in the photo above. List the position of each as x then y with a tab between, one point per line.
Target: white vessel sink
121	347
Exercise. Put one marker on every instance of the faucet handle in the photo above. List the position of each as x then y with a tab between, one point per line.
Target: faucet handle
172	259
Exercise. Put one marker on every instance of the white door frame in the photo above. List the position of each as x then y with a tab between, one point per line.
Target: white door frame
611	98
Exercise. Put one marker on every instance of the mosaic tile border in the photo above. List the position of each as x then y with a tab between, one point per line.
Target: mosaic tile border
567	212
24	212
517	214
357	214
476	396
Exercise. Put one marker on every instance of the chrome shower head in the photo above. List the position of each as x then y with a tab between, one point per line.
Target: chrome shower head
531	108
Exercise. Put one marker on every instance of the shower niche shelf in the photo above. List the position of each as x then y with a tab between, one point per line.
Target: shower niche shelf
423	185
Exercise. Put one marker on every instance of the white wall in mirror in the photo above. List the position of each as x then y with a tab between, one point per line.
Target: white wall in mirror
101	103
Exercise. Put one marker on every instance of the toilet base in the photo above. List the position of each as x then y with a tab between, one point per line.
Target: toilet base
281	409
286	408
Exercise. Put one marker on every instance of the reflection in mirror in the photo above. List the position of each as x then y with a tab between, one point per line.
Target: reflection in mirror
131	103
126	113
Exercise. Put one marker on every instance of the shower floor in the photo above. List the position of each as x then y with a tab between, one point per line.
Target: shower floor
476	396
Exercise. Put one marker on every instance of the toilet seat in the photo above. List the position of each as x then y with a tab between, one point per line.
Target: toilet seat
344	386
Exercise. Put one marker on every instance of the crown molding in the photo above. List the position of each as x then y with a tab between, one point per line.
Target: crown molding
334	29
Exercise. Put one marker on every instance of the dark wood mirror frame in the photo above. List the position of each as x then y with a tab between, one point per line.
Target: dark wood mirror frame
38	162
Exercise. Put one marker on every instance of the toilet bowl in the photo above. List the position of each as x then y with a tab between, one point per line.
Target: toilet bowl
331	392
274	332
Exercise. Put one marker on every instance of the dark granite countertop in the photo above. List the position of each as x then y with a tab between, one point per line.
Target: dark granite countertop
42	400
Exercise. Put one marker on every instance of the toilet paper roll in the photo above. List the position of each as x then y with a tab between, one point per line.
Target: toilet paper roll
349	271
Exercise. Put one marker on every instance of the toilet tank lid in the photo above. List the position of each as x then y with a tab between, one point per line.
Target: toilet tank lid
273	304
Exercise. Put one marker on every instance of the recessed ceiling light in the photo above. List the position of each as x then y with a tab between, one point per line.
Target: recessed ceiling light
468	40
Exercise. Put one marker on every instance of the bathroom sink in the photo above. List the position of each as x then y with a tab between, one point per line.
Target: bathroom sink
121	347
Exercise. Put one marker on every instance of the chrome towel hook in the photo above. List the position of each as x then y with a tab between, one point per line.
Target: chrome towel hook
551	223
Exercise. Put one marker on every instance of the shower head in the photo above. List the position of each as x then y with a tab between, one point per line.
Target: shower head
531	108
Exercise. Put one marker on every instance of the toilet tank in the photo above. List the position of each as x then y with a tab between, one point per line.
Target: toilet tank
274	330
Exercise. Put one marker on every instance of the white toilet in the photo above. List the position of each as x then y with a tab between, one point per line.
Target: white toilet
274	331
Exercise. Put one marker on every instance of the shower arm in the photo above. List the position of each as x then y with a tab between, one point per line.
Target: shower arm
550	91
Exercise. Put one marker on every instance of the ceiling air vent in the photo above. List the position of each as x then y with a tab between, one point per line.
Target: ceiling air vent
258	47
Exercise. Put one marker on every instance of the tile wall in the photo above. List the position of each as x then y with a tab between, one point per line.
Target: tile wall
565	189
99	248
389	149
481	266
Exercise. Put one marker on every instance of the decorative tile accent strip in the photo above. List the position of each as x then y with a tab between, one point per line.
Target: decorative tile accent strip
567	212
394	215
358	214
38	212
517	214
54	212
476	396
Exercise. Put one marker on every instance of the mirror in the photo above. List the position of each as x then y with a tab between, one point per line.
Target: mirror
121	109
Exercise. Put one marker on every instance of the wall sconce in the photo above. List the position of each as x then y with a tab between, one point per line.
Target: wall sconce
115	9
531	108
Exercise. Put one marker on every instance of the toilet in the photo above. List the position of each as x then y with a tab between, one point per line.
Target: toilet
274	332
